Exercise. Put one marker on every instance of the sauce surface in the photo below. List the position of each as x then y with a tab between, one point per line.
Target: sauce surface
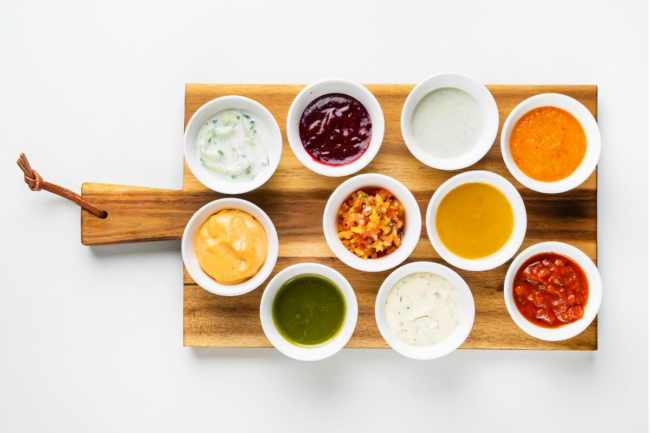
231	246
234	145
447	123
548	144
309	310
371	223
551	290
474	220
335	129
423	309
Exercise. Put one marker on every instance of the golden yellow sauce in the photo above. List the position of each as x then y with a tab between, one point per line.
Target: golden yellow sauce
474	220
231	246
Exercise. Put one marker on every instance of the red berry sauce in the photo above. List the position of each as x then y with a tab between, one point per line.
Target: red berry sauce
335	129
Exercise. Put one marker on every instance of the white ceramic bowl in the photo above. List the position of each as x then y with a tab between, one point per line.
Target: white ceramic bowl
326	349
588	123
412	226
455	339
192	262
478	92
593	302
323	87
208	110
518	208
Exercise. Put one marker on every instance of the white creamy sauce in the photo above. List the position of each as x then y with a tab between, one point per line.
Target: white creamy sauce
447	123
423	309
234	145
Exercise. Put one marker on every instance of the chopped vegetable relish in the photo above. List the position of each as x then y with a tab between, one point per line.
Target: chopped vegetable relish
371	224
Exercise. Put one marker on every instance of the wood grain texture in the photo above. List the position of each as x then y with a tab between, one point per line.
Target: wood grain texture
145	214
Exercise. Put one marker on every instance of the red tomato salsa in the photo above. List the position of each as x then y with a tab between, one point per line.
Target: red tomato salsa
371	223
551	290
335	129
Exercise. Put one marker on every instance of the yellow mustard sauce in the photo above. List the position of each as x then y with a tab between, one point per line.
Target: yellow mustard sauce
474	220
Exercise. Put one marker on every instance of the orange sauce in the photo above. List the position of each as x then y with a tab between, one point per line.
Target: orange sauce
231	246
548	144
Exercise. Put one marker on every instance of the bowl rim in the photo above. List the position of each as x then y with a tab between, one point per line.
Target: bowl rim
490	118
201	173
309	353
412	231
189	252
371	105
593	303
589	125
518	208
459	335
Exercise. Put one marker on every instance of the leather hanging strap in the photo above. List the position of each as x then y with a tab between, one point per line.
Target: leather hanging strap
36	183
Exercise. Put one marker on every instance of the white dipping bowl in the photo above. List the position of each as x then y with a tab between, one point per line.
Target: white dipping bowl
478	92
593	302
205	176
588	123
518	208
192	262
412	226
455	339
322	351
318	89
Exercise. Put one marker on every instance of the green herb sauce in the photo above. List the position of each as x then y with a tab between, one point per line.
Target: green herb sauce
309	310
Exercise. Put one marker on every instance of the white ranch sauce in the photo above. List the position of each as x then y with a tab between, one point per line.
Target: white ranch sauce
423	309
234	145
447	123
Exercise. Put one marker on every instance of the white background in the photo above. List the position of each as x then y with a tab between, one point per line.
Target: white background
91	338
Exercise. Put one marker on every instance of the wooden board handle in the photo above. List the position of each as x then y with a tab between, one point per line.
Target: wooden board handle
137	214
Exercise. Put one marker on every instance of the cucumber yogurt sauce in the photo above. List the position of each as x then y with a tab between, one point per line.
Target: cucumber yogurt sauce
234	145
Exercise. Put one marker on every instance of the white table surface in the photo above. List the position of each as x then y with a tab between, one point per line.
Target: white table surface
91	338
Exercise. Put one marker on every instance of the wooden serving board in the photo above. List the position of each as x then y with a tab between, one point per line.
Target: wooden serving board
295	197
